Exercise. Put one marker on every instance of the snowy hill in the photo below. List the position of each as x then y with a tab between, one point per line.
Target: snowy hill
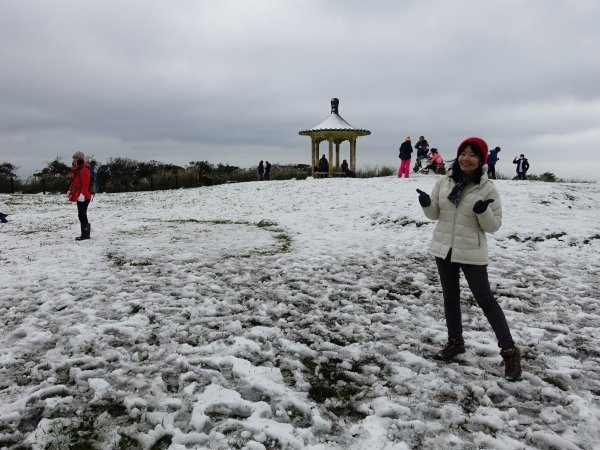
294	314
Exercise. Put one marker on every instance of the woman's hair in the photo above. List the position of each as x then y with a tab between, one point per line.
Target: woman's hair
79	156
457	174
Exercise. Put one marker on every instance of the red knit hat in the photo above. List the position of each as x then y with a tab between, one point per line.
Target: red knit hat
479	147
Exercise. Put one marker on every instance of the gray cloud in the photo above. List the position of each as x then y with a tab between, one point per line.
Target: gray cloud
235	81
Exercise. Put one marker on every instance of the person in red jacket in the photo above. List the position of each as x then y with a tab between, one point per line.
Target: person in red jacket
79	191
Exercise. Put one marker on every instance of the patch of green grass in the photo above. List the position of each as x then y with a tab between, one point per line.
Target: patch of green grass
285	241
141	263
163	443
402	221
591	238
309	363
86	431
210	222
332	387
556	236
557	382
469	401
116	260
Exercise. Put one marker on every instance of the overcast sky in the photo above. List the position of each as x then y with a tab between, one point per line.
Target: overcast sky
234	81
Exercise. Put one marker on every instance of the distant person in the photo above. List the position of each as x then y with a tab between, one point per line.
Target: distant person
405	156
79	191
492	160
522	167
4	212
323	165
261	171
466	206
436	162
346	170
422	147
267	171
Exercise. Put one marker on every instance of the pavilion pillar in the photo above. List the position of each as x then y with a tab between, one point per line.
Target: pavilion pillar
315	153
337	156
353	154
330	156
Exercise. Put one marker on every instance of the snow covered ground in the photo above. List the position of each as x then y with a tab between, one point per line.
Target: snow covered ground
292	314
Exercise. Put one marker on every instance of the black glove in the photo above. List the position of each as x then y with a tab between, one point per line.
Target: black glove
424	198
481	205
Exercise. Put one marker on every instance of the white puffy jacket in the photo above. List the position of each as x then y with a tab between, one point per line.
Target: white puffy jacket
458	227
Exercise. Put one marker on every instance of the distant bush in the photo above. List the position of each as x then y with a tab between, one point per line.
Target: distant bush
375	171
548	177
290	171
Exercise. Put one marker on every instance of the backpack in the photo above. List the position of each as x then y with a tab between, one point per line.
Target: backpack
93	180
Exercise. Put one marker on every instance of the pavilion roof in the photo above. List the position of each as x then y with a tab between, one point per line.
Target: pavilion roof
335	122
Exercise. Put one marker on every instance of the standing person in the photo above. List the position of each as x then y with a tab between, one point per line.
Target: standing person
492	160
261	171
267	171
422	147
405	155
79	192
522	167
466	205
323	164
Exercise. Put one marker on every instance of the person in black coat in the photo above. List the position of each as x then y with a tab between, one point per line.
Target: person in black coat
492	160
261	171
346	170
323	164
422	147
522	167
405	155
267	171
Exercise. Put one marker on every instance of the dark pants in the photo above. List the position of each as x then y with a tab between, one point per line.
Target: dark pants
82	213
492	171
521	175
477	278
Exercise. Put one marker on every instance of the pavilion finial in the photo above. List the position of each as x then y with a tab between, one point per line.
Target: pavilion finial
334	105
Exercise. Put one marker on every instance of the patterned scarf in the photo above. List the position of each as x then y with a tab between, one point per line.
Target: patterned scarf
457	190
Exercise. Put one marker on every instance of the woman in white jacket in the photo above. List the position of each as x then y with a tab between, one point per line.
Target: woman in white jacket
467	206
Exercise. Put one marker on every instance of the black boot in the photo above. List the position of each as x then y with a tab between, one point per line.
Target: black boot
3	218
512	363
85	232
451	349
